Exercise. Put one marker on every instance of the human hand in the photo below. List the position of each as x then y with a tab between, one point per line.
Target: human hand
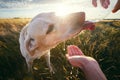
77	58
116	7
74	54
87	64
104	3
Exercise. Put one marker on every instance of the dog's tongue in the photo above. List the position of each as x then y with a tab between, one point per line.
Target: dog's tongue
88	25
73	50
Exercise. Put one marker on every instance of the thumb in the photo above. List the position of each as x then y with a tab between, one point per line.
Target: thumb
75	61
117	7
115	10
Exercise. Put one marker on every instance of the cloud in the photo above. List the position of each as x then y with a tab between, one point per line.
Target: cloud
23	3
13	3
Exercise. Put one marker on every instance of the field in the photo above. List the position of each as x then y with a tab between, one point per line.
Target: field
103	44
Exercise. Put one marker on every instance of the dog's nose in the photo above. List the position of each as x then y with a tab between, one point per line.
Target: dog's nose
79	13
78	16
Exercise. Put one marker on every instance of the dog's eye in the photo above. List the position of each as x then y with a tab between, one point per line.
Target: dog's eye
50	28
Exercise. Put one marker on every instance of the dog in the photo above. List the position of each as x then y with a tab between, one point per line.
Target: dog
45	31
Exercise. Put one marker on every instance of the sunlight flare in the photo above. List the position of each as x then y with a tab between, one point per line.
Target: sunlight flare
62	10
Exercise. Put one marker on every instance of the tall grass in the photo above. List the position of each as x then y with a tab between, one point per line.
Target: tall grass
103	44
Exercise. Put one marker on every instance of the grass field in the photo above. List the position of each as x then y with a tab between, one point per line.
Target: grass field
103	44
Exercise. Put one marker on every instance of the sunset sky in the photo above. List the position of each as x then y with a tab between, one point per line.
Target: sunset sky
30	8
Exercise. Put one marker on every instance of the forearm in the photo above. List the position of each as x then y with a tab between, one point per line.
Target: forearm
93	72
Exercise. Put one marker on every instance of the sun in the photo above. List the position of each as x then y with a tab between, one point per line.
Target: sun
62	10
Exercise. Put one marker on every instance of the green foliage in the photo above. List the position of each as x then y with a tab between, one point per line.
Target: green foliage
103	44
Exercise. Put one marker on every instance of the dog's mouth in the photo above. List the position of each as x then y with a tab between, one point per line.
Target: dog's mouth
80	24
88	25
79	20
71	49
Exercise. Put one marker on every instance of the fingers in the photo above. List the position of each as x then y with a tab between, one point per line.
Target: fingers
117	7
77	51
74	50
74	55
108	2
94	3
105	3
75	61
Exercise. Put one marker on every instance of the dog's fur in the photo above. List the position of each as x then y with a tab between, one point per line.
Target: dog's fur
45	31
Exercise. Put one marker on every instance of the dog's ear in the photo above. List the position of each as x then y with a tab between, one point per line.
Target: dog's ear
50	28
30	45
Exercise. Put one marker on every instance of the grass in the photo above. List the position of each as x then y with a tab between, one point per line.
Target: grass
103	44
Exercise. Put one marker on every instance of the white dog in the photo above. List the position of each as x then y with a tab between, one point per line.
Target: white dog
47	30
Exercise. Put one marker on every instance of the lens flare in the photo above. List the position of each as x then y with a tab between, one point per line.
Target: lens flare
62	10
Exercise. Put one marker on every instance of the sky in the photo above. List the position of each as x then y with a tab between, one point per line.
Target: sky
30	8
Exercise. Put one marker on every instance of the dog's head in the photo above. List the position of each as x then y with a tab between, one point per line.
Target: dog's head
46	30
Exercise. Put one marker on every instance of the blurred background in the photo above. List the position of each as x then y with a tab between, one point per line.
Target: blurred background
30	8
103	43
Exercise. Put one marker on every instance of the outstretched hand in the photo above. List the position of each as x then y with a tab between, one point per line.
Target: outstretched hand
105	4
116	7
87	64
77	58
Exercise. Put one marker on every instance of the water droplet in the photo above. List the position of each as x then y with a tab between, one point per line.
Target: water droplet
72	67
35	68
71	72
64	45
